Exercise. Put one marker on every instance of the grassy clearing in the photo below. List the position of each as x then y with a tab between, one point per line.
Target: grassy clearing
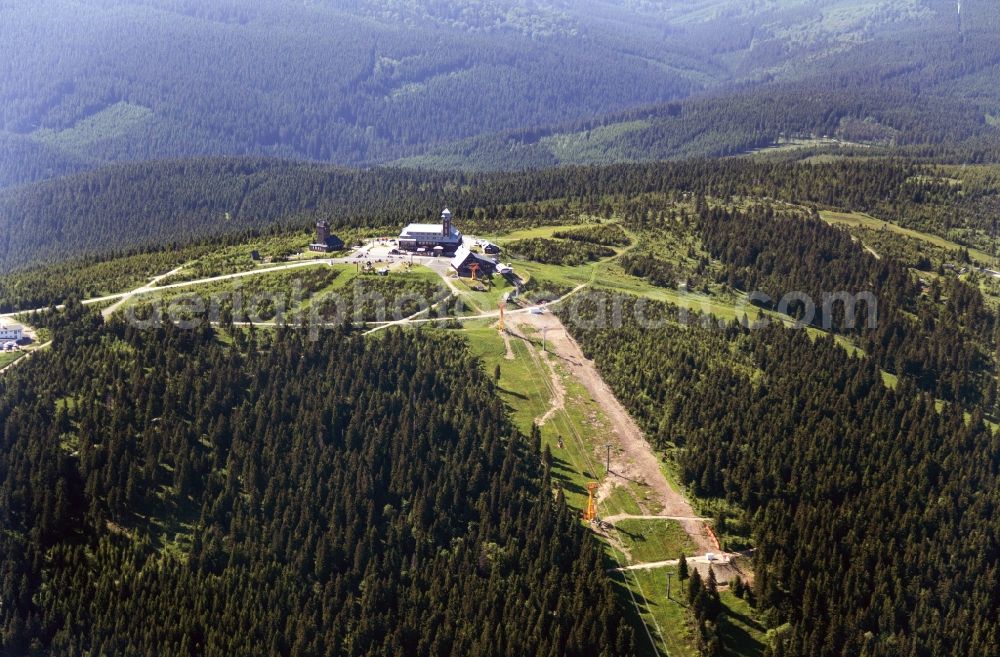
111	122
889	380
590	146
344	292
8	357
272	251
861	220
740	629
608	275
742	632
526	387
650	540
801	144
554	276
519	387
530	233
623	498
483	295
727	307
668	618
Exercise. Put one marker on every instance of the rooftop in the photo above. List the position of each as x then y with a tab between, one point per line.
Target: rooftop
423	228
428	228
463	253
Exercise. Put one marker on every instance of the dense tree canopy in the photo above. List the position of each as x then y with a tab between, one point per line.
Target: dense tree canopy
872	509
131	207
163	492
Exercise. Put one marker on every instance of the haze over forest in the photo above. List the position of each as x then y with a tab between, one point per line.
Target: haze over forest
492	84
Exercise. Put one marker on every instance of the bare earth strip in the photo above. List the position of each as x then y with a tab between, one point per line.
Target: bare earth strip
635	460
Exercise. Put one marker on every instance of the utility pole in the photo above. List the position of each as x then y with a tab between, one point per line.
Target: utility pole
609	458
669	575
544	331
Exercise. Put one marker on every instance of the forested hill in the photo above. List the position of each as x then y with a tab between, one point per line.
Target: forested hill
157	205
371	81
928	93
872	501
873	511
164	493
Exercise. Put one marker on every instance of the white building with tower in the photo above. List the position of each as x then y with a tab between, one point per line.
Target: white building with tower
431	238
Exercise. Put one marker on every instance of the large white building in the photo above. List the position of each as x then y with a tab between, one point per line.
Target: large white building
10	332
444	236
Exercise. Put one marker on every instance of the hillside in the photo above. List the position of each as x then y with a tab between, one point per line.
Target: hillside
702	361
147	467
287	510
927	92
372	81
163	205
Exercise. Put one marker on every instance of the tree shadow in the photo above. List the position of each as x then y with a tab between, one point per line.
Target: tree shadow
561	472
646	604
634	536
737	641
746	620
512	393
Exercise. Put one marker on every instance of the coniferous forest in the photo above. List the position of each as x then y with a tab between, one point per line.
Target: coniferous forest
872	511
871	505
253	492
491	84
789	208
164	493
127	208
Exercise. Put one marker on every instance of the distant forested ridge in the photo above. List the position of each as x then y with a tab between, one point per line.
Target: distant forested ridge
129	207
497	84
348	82
164	493
926	91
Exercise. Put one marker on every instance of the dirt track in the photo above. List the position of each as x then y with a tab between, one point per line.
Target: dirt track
633	458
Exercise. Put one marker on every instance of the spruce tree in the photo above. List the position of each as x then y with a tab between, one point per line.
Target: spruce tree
694	585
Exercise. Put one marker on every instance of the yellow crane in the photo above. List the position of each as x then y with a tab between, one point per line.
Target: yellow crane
591	511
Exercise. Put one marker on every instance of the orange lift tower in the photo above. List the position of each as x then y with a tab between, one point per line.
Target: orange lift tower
475	270
500	324
591	511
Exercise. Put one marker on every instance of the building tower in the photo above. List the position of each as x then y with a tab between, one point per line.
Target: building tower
322	231
446	222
